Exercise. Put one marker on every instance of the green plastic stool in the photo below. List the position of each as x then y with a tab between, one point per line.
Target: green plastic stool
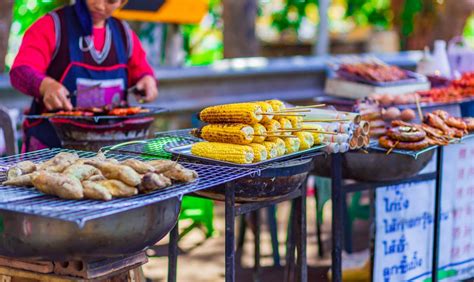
200	211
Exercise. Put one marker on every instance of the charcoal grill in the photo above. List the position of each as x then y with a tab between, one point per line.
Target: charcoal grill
45	227
275	183
90	133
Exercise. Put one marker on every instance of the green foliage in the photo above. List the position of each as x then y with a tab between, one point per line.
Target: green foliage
369	12
291	15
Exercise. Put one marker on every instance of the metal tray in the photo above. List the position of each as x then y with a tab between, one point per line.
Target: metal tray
153	112
413	78
185	151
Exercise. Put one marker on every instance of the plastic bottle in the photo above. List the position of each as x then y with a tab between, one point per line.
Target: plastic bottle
440	56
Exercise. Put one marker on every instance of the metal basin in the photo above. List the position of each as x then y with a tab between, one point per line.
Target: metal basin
91	137
273	183
42	238
375	166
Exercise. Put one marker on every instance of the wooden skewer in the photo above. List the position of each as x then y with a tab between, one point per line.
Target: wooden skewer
327	120
308	130
420	113
293	111
391	149
309	107
276	135
282	114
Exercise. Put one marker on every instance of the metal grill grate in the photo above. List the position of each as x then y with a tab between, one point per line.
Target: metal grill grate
30	201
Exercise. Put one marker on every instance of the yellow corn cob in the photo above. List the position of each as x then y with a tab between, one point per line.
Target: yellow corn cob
285	124
295	121
234	133
318	137
272	126
266	108
277	105
271	147
292	145
259	152
248	113
306	140
259	130
239	154
281	147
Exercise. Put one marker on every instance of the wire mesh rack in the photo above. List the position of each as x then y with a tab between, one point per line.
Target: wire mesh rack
374	145
31	201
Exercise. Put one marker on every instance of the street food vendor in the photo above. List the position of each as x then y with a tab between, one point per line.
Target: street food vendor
78	57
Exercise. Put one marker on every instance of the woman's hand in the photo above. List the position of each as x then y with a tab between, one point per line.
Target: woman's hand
55	95
148	85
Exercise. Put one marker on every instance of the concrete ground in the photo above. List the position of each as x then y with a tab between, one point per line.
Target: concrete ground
202	259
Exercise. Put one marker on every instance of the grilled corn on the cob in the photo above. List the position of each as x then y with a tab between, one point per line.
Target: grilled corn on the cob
295	121
266	108
318	137
272	150
248	113
277	105
306	140
259	152
259	130
292	145
233	133
272	126
281	147
285	124
233	153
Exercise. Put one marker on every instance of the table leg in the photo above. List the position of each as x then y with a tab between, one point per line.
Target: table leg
229	233
290	246
301	231
173	253
437	223
256	268
337	216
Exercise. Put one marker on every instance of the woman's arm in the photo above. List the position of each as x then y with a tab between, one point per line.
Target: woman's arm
34	56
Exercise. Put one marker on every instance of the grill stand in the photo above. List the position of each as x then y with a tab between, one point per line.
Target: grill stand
338	196
121	269
296	241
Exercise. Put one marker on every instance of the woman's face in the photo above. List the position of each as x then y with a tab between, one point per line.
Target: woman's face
101	10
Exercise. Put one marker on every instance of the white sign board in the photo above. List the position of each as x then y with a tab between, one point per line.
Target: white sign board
405	217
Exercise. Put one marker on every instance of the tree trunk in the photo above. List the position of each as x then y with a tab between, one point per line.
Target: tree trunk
435	21
6	11
239	28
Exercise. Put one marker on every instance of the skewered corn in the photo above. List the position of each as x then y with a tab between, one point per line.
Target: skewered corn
266	108
233	133
318	137
277	105
239	154
259	130
248	113
306	140
259	152
292	145
272	126
295	121
285	124
281	147
271	148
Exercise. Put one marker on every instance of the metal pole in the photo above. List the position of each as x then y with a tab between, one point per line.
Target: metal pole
337	216
229	232
437	223
321	47
256	269
173	253
301	243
